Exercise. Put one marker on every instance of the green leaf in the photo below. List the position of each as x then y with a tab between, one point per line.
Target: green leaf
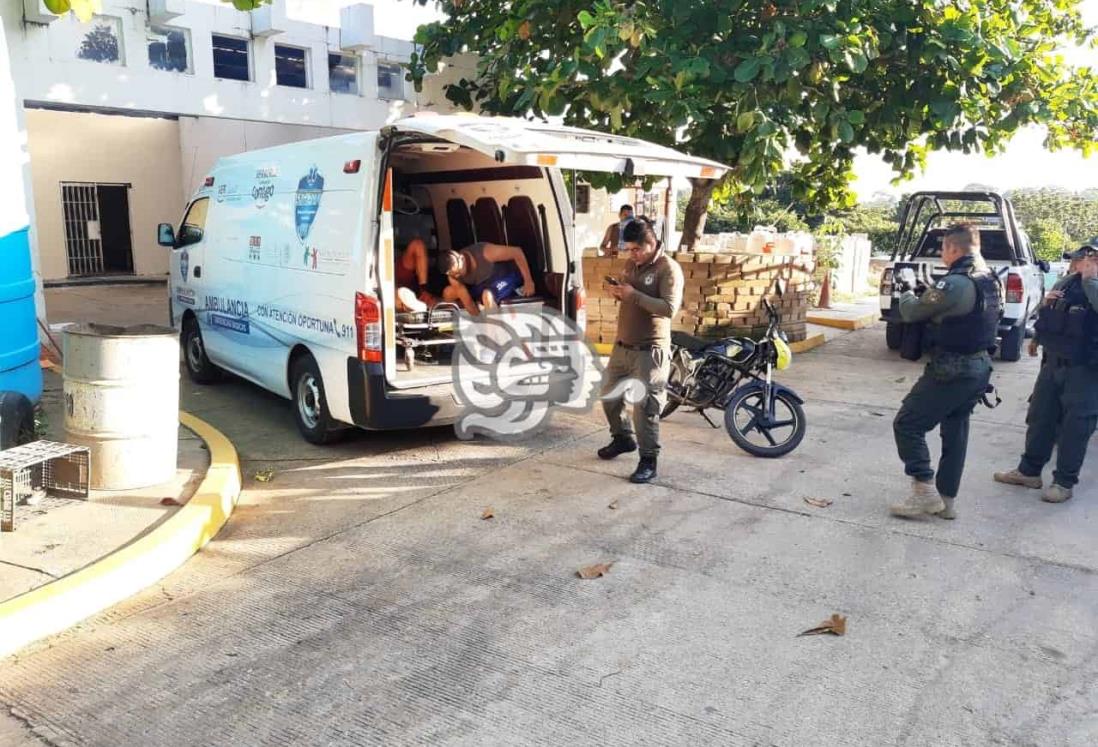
747	70
586	19
58	7
799	39
829	41
846	132
745	121
856	117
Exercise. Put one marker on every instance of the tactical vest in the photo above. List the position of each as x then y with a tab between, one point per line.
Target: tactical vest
1068	328
977	330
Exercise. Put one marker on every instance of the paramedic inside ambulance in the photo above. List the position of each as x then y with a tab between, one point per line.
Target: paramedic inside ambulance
411	278
485	274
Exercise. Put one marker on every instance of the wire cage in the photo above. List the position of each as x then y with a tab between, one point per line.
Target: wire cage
61	470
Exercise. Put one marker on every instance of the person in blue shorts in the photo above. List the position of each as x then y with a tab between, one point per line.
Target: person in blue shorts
483	275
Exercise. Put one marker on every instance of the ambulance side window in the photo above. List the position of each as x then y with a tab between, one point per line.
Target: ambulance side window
194	223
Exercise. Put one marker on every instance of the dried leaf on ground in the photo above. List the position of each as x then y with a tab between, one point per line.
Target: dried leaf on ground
488	514
613	505
264	475
835	625
169	502
819	502
594	571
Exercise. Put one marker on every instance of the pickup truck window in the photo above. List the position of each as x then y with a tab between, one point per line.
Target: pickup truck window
993	245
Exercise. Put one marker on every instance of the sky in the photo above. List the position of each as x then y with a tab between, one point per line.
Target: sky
1024	164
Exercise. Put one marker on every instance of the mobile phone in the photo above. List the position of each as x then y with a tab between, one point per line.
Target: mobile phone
611	280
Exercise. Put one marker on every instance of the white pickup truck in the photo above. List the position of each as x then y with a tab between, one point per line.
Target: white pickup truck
1003	243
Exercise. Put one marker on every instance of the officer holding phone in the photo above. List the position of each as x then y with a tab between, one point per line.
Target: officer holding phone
650	291
1063	409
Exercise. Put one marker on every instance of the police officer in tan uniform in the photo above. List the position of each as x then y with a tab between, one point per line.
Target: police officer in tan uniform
650	292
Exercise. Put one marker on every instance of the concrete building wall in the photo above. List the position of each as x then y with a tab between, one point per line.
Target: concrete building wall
97	148
203	140
45	61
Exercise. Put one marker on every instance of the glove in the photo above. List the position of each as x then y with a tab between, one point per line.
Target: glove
905	280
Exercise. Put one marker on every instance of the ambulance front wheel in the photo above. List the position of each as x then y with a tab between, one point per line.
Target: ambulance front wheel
199	367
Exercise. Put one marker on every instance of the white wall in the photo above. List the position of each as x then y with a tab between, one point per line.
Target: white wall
79	147
44	61
202	140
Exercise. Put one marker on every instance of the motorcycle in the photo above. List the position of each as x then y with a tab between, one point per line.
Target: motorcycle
763	417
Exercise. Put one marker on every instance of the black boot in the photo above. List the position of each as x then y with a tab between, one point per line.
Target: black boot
645	472
618	446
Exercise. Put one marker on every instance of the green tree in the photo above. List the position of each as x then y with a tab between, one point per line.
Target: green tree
746	83
1075	214
99	45
1048	238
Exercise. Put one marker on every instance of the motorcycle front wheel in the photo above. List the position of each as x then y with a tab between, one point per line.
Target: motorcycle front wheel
747	423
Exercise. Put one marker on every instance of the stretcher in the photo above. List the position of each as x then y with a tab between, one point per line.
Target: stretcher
431	333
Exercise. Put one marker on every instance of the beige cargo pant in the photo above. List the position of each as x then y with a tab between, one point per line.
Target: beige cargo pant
651	367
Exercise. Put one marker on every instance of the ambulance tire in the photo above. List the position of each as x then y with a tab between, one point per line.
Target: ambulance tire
310	403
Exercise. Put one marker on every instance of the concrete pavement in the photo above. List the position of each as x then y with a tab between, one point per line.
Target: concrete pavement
359	598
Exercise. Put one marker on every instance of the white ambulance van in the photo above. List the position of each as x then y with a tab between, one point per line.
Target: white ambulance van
283	266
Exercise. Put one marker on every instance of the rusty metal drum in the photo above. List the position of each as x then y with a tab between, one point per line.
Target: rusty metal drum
121	389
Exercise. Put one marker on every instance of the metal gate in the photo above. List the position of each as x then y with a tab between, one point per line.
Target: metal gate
80	203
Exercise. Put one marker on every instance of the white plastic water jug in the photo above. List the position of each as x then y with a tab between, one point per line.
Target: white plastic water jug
761	240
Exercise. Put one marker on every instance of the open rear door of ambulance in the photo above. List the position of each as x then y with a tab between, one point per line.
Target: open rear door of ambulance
516	142
521	143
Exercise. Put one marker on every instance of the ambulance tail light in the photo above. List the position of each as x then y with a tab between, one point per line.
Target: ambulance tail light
1015	290
368	326
579	308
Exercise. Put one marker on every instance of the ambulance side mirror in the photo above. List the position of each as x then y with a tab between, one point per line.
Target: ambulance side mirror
165	235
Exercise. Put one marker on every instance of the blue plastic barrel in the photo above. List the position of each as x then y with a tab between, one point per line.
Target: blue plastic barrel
19	367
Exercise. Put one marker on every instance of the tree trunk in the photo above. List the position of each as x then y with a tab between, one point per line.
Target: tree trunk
696	210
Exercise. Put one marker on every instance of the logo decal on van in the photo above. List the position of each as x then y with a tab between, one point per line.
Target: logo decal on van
310	188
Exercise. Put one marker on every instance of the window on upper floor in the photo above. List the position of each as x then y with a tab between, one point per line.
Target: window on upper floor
291	66
169	49
231	58
102	41
343	73
390	81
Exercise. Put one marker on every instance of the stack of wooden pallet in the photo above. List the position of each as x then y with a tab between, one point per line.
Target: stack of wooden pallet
722	294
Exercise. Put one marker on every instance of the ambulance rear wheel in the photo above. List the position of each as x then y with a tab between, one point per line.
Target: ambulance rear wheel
311	404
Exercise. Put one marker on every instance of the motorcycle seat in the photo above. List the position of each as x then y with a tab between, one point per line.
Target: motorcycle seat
690	342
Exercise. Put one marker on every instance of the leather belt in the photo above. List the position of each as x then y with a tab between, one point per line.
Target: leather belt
638	347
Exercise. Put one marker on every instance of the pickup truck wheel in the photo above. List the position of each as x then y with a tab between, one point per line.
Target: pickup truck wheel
894	335
1010	348
311	404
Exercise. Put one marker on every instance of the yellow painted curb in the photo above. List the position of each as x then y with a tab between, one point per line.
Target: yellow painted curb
603	348
62	603
809	343
860	322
